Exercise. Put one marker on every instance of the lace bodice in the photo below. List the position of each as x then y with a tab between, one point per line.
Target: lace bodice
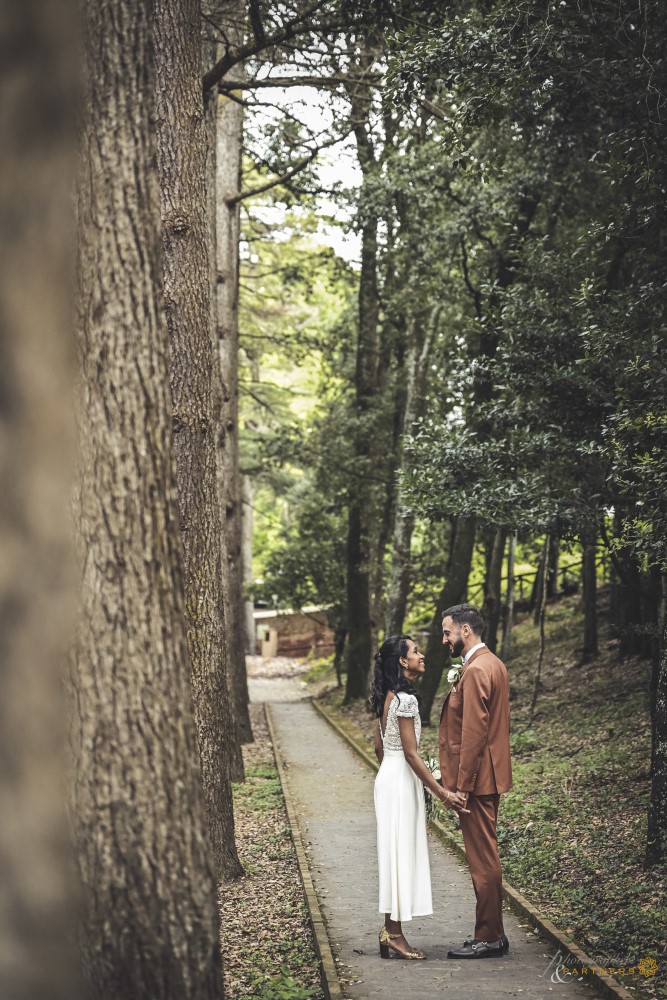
402	705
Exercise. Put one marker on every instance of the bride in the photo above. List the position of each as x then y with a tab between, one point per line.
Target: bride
405	875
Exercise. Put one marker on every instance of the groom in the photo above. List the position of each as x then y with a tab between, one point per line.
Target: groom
474	746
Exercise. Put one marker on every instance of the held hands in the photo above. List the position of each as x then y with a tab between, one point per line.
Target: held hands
456	800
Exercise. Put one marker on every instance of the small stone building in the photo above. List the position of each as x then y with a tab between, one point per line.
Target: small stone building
293	633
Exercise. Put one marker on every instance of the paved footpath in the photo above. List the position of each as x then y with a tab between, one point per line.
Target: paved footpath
333	793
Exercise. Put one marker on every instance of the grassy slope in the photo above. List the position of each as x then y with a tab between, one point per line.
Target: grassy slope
573	828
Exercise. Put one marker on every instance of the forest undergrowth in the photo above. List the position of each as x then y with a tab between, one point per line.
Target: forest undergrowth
572	831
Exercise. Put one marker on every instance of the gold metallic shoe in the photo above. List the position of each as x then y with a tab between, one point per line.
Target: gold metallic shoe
385	945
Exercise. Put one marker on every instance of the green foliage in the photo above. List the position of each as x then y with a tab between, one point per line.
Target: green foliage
523	742
307	566
261	792
520	194
282	987
551	177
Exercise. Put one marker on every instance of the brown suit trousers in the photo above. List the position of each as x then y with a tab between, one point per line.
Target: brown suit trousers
479	837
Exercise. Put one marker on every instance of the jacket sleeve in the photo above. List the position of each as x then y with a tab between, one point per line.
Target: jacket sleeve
474	734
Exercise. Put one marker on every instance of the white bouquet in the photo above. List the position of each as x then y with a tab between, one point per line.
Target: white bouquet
434	767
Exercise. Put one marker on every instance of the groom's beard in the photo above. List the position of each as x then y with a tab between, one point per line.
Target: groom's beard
457	648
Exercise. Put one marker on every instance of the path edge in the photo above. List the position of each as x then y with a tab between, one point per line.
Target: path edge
605	985
328	972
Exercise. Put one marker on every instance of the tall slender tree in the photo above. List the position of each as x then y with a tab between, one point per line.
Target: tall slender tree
231	23
150	923
510	593
492	606
589	594
211	99
359	529
419	349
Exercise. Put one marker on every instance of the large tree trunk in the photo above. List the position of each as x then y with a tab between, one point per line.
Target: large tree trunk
37	578
656	839
492	606
229	165
419	350
181	147
150	925
453	592
589	595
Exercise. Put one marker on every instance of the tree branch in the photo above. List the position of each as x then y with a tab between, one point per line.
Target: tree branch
299	81
256	24
235	54
299	165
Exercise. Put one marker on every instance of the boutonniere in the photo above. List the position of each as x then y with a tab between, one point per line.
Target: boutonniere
454	676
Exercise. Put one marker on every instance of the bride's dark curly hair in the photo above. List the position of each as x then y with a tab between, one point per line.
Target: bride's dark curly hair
387	675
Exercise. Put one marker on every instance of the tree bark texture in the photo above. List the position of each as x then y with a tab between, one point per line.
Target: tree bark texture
228	168
589	596
656	840
37	573
419	349
492	606
181	148
150	927
453	592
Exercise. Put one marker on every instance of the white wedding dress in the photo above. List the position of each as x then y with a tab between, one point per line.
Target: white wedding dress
404	869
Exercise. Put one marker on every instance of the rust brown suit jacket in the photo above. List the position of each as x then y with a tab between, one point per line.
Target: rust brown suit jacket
474	738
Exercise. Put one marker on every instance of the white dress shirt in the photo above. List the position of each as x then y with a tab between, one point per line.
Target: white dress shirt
471	651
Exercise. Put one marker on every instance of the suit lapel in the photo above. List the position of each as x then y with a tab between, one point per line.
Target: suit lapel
444	704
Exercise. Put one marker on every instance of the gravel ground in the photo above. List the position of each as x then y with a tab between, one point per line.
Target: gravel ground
275	667
281	678
267	942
